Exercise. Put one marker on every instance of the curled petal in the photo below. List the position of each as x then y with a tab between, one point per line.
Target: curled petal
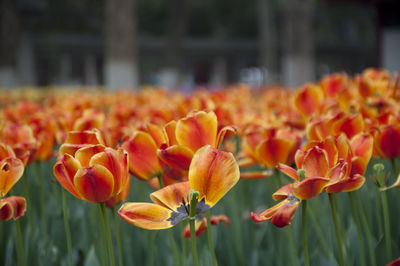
11	170
283	192
176	156
95	184
169	133
213	173
197	130
309	187
171	196
289	171
65	170
281	213
146	215
223	133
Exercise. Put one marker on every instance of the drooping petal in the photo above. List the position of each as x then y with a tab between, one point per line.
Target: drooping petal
143	159
146	215
273	151
267	214
95	184
11	170
213	173
289	171
284	215
283	192
171	196
347	184
197	130
176	156
309	187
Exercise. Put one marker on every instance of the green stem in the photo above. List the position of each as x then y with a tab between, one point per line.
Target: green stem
358	227
364	221
28	199
152	249
192	213
103	234
386	225
378	210
394	168
304	233
183	244
42	198
210	240
20	246
337	231
66	225
118	238
108	234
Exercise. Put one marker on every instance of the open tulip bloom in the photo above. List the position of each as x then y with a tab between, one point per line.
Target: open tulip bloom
212	173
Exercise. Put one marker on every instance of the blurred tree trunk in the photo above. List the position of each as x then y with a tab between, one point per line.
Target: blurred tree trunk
121	66
9	37
267	29
176	34
298	42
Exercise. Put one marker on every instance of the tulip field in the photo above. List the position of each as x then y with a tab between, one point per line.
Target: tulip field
235	176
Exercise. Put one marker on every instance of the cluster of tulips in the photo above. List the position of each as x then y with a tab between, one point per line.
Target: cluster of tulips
323	138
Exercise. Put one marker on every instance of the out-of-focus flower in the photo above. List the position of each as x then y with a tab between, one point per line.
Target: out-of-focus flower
387	141
12	207
11	169
201	224
308	99
212	173
91	171
394	263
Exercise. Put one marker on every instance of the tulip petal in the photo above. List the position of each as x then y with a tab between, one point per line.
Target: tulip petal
11	170
78	139
176	156
171	196
65	170
146	215
283	192
273	151
83	155
309	187
12	207
346	185
223	133
213	173
289	171
256	174
95	184
362	146
169	133
284	215
197	130
267	214
315	162
143	159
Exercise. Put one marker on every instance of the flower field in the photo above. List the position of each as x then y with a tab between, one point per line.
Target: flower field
235	176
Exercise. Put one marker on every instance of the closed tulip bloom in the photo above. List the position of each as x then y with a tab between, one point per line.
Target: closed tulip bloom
11	169
12	207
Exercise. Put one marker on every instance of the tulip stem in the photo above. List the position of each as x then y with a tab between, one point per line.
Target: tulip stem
42	198
103	233
358	227
337	231
192	213
183	243
118	238
304	233
66	225
364	221
170	235
210	240
20	247
108	234
386	225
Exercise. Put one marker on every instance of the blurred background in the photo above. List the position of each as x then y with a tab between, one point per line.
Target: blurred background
186	43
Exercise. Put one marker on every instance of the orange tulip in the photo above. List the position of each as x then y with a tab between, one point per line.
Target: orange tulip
11	169
12	207
91	172
387	141
212	173
308	99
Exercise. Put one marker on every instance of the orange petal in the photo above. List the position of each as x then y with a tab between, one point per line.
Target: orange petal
197	130
143	160
171	196
309	187
146	215
267	214
169	133
83	155
95	184
289	171
350	126
346	185
283	192
65	170
315	162
200	227
222	134
116	161
12	207
284	215
213	173
273	151
78	139
11	170
362	146
120	197
176	156
308	99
